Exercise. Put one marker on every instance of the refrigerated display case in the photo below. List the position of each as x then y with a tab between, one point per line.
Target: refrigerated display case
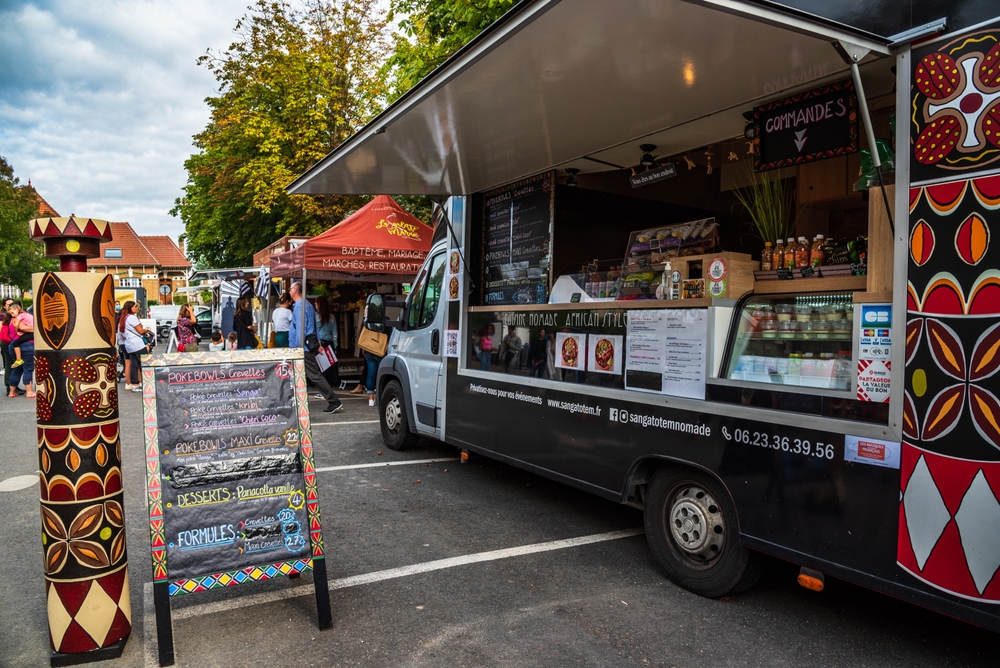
799	341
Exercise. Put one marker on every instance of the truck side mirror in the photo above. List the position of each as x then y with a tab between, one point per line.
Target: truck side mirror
375	313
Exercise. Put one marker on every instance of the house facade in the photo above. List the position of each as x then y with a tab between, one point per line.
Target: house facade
155	262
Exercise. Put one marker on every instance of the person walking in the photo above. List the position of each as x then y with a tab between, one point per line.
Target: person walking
485	347
132	331
510	350
187	331
281	319
297	337
326	330
246	336
23	325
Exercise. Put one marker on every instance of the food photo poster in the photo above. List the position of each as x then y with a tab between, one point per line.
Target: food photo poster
570	349
604	353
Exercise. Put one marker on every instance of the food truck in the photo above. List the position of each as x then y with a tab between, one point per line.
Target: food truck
606	305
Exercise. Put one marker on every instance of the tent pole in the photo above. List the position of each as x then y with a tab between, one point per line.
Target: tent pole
302	319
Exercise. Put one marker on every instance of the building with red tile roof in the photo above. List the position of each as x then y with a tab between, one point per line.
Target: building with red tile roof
143	261
45	210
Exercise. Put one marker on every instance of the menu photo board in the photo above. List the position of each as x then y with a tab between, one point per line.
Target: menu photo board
517	241
230	477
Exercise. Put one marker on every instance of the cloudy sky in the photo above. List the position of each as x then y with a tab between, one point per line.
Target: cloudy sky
99	100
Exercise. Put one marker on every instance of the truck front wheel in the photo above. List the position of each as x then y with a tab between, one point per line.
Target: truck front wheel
392	419
691	529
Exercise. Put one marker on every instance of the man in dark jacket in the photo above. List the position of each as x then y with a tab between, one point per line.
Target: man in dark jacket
537	356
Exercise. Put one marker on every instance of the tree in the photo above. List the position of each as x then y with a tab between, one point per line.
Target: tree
433	30
19	255
293	86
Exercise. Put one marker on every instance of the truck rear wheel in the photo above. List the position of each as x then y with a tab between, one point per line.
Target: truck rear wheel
392	418
692	531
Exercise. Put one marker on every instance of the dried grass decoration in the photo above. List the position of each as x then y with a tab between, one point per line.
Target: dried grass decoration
769	204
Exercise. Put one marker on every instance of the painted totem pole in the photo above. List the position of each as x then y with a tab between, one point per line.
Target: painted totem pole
949	530
79	452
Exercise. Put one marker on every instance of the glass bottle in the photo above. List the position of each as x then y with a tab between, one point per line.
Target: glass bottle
790	253
802	253
766	257
816	251
778	256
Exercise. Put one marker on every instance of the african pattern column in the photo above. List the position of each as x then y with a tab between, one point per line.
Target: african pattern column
949	515
79	451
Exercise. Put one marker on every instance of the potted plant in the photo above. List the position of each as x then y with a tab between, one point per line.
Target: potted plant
769	204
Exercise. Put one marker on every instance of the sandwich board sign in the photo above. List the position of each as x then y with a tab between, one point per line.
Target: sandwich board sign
230	476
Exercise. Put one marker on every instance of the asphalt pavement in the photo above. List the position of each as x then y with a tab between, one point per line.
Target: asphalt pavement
436	563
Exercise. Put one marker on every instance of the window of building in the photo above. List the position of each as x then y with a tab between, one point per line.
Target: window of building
113	252
130	282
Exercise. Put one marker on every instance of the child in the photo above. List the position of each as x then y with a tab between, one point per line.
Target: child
20	320
217	343
231	344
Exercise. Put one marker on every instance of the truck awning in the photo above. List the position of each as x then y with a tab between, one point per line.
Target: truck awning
582	83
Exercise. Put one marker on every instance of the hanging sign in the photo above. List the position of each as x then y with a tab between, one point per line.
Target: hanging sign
653	175
815	125
230	477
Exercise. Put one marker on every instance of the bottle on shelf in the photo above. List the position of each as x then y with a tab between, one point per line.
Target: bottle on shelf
766	257
790	253
816	251
778	256
802	253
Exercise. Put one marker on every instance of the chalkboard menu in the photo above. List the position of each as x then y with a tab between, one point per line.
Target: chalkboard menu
818	124
232	465
517	241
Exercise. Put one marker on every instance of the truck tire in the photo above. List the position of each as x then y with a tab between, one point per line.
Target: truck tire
392	418
691	528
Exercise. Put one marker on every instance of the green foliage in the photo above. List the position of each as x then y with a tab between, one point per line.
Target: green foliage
433	31
180	299
19	256
206	296
294	85
152	302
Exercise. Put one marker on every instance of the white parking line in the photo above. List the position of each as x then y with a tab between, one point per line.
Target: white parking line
330	424
347	467
376	576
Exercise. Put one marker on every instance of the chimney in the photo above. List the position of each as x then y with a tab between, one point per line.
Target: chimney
180	244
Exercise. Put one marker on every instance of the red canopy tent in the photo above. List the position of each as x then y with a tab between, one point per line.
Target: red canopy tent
380	242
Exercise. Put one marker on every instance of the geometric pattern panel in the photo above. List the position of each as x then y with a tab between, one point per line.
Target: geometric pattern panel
949	523
237	577
89	614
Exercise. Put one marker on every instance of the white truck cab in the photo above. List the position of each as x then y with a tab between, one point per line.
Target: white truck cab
410	382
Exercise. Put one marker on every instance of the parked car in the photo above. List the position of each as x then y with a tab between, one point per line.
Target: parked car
166	318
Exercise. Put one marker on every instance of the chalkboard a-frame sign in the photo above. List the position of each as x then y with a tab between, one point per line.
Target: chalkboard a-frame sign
230	476
815	125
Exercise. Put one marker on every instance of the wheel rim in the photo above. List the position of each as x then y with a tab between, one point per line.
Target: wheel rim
393	414
697	525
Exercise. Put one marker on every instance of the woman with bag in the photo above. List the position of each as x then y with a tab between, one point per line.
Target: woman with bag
326	330
132	333
187	332
246	337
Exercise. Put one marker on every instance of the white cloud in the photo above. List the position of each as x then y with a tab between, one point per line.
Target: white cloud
99	101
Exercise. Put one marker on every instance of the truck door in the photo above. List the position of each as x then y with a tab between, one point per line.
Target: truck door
422	346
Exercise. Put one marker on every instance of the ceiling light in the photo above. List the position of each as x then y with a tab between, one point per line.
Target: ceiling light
748	130
571	179
647	155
